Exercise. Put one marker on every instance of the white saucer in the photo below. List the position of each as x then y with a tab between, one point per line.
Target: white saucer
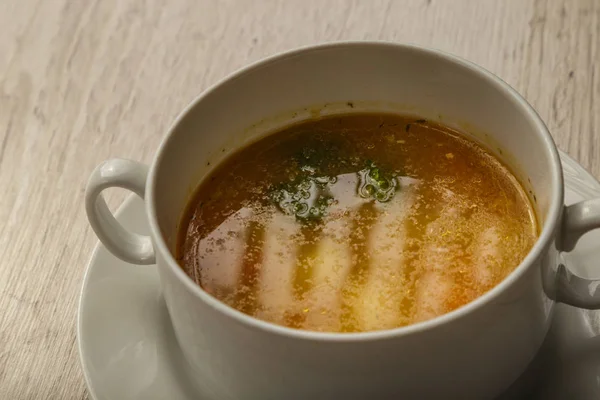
128	350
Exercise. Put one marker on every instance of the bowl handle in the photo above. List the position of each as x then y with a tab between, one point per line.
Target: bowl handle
128	246
578	219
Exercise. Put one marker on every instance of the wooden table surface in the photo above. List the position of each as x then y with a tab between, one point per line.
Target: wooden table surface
82	81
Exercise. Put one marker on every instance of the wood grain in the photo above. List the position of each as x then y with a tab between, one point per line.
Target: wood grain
82	81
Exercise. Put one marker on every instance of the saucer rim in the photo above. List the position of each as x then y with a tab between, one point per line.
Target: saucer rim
123	207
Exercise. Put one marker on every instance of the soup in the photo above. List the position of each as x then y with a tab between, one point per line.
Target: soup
354	223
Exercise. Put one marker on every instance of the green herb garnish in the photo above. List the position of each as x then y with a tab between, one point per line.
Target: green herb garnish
376	184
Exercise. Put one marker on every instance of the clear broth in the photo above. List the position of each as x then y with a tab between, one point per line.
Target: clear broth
354	223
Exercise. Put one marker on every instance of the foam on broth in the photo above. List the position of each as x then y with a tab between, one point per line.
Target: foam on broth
354	223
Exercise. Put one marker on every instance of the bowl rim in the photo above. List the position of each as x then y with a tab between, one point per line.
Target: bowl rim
545	238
